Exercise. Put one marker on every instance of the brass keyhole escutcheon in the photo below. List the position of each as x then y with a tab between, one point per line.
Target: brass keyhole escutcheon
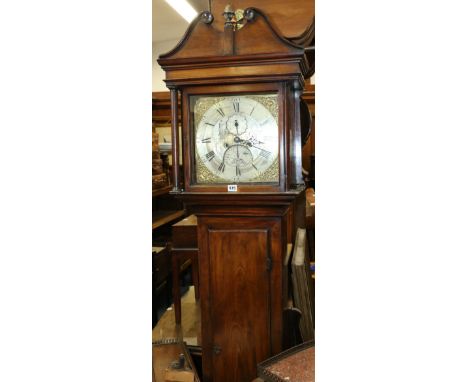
216	349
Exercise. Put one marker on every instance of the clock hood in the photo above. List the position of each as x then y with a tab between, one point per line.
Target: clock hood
255	51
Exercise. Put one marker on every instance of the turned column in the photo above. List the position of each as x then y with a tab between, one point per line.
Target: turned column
175	138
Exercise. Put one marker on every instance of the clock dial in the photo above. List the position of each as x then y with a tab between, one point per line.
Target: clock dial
236	139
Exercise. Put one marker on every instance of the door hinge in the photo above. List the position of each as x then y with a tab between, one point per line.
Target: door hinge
269	263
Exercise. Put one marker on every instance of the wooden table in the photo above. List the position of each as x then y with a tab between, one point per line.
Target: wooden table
189	330
163	217
184	247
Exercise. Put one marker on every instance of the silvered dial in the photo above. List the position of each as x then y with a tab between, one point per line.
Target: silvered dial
237	140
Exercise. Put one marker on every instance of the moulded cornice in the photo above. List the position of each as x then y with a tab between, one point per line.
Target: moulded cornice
258	42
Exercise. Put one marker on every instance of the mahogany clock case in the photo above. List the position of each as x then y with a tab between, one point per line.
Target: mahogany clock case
243	235
188	136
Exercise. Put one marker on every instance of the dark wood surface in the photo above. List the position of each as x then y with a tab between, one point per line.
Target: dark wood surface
161	264
161	191
166	210
259	51
184	247
237	258
175	137
241	267
184	233
162	217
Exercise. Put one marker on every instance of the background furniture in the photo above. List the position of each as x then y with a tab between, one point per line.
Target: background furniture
294	365
189	329
161	280
166	211
181	260
167	351
303	291
184	249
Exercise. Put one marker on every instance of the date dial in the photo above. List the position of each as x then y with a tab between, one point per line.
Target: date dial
240	157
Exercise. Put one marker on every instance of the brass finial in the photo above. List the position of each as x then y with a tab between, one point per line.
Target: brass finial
233	18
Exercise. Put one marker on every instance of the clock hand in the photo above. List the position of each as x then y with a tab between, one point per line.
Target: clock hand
256	147
248	142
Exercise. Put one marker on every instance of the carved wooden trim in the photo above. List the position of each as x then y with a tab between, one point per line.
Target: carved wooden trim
275	31
229	48
307	38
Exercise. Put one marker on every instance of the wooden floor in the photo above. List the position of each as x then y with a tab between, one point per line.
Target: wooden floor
190	328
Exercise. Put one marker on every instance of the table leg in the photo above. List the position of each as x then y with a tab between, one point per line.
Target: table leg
195	275
176	287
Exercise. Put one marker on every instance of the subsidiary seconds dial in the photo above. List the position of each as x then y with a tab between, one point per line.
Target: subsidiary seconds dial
237	140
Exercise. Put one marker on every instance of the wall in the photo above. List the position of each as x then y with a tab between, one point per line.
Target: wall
158	74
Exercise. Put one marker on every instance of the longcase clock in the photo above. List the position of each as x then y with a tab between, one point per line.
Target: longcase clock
240	91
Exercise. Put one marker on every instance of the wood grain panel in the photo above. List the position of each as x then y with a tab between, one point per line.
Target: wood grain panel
241	299
234	71
241	313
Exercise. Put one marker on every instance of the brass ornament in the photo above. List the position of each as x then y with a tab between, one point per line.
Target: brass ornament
233	18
